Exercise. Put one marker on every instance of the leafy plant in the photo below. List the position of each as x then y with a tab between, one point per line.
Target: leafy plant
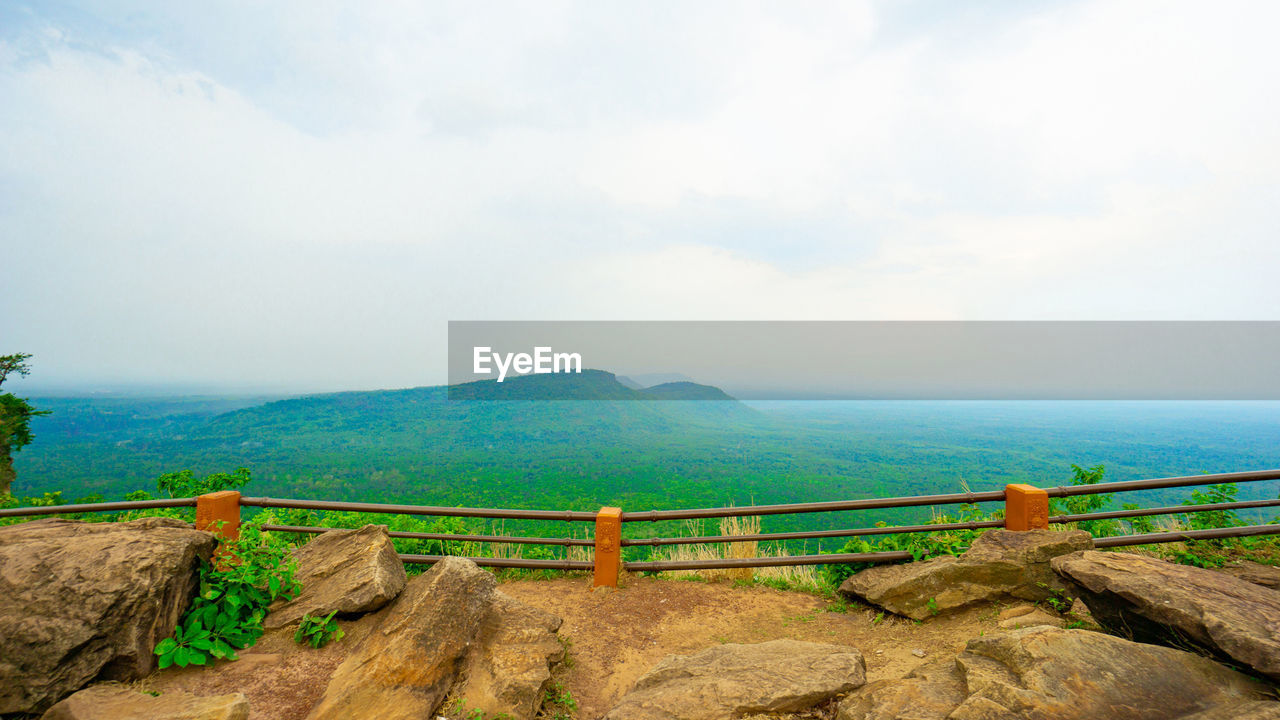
318	631
921	545
184	483
1082	504
558	703
235	590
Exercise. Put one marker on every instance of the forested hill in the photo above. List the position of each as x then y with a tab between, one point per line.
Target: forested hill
533	409
618	445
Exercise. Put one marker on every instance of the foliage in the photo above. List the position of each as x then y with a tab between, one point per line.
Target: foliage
318	631
558	703
15	419
921	545
184	483
226	615
1082	504
1214	552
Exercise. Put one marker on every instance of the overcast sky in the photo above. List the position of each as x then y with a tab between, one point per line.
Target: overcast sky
300	195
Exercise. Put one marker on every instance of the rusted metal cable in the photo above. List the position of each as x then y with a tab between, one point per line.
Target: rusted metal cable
98	507
567	542
568	515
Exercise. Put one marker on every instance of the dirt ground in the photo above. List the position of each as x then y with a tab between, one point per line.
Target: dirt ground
615	636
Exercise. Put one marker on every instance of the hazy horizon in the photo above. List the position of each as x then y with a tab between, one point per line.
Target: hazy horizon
295	197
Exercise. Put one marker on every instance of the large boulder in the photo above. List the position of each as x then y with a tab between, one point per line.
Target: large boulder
930	692
404	668
1045	673
1267	576
115	702
1001	565
508	668
733	680
1255	710
350	571
1157	601
89	601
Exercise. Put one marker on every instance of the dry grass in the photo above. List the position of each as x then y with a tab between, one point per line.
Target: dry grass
803	577
516	551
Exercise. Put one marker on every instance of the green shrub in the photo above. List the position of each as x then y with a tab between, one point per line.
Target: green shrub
226	615
318	631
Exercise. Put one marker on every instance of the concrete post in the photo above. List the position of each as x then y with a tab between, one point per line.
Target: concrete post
1025	508
219	507
608	555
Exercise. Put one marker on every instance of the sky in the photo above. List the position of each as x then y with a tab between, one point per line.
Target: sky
299	196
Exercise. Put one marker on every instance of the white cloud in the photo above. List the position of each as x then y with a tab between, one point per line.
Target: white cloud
308	200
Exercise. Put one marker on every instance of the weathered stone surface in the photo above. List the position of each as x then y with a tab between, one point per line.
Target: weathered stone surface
508	668
1034	616
1157	601
404	668
1267	576
88	601
1044	673
1000	565
733	680
930	692
115	702
1256	710
351	571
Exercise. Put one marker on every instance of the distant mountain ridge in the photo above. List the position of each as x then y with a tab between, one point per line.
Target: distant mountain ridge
587	385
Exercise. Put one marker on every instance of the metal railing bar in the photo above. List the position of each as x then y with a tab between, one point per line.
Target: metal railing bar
829	506
567	542
98	507
505	562
1165	537
726	563
567	515
809	535
1171	510
1161	483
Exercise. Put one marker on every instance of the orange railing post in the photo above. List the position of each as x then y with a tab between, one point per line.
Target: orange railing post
219	513
1025	508
608	549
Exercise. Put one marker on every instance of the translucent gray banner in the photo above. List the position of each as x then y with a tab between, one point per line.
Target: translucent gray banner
864	360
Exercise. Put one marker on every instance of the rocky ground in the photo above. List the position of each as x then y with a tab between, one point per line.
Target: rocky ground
978	637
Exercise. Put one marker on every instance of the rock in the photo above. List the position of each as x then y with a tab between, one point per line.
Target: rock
1267	576
404	668
1156	601
1015	611
1050	674
88	601
115	702
918	653
1000	565
508	668
733	680
1031	619
1257	710
351	571
930	692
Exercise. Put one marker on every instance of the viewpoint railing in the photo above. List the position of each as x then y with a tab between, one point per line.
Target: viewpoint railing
1026	508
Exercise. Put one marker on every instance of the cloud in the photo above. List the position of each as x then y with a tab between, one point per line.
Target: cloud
302	195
